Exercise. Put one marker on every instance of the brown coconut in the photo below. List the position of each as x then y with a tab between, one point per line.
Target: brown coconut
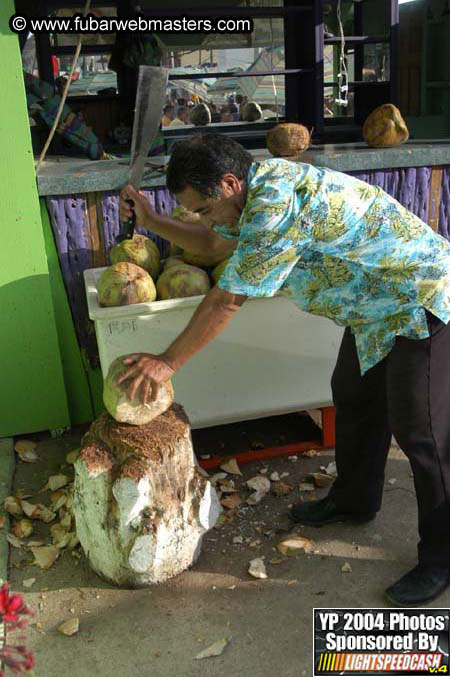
182	281
288	140
124	284
141	251
124	410
385	127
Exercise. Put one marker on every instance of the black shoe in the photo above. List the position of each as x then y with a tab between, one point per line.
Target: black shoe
422	584
325	511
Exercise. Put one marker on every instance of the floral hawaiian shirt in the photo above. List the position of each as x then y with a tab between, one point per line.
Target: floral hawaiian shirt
340	248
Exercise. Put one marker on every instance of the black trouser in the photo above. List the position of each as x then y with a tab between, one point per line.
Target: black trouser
407	395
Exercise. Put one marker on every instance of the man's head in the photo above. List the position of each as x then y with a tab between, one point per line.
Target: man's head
169	111
183	114
207	173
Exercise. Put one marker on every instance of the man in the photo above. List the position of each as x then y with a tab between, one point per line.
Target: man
182	117
168	115
346	250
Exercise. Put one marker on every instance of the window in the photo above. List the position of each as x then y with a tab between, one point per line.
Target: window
289	67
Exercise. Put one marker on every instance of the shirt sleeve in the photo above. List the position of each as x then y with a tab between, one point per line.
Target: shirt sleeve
270	238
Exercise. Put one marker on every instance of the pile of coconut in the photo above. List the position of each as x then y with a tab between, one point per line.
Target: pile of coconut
137	275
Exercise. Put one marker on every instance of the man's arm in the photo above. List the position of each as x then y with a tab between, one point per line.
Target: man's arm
194	237
209	320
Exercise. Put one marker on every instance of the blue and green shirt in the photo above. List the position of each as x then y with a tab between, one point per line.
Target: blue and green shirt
340	248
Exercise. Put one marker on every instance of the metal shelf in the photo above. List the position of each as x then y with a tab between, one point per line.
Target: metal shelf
244	74
359	40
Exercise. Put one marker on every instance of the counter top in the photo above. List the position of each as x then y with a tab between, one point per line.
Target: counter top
63	176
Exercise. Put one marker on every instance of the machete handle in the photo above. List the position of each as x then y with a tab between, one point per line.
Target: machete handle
127	227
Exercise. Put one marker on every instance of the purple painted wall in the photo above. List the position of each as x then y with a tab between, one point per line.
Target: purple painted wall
75	229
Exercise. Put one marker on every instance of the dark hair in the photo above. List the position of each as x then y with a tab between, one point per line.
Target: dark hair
167	107
202	161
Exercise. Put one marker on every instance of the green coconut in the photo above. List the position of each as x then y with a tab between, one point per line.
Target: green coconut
182	281
173	261
124	410
180	213
201	260
139	250
218	270
124	284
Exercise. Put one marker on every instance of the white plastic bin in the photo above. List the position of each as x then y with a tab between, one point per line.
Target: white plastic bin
272	359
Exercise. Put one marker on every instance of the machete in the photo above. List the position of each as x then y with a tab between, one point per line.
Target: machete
150	98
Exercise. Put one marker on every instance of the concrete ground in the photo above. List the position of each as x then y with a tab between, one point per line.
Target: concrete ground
159	631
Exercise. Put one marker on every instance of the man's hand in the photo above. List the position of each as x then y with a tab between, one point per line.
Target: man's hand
147	372
142	207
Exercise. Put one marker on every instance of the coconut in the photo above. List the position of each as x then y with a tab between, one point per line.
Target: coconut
182	281
251	112
288	139
385	127
200	116
180	213
218	270
172	261
124	410
139	250
123	284
202	260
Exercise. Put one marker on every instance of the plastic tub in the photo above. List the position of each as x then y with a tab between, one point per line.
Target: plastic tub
272	359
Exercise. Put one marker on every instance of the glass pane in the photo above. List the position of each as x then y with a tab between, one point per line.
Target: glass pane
333	109
376	63
261	51
29	58
236	101
237	51
375	18
92	39
92	75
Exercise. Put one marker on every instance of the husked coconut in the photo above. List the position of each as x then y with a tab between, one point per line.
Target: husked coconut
139	250
124	410
182	281
288	140
218	270
123	284
385	127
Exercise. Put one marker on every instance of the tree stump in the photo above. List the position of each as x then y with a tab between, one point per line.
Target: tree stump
140	502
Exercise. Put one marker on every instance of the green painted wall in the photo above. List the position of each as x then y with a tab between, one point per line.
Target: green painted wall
75	373
33	395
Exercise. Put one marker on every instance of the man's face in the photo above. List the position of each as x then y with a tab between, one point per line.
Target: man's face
224	210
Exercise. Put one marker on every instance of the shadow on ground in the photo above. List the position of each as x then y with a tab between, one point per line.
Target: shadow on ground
159	631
